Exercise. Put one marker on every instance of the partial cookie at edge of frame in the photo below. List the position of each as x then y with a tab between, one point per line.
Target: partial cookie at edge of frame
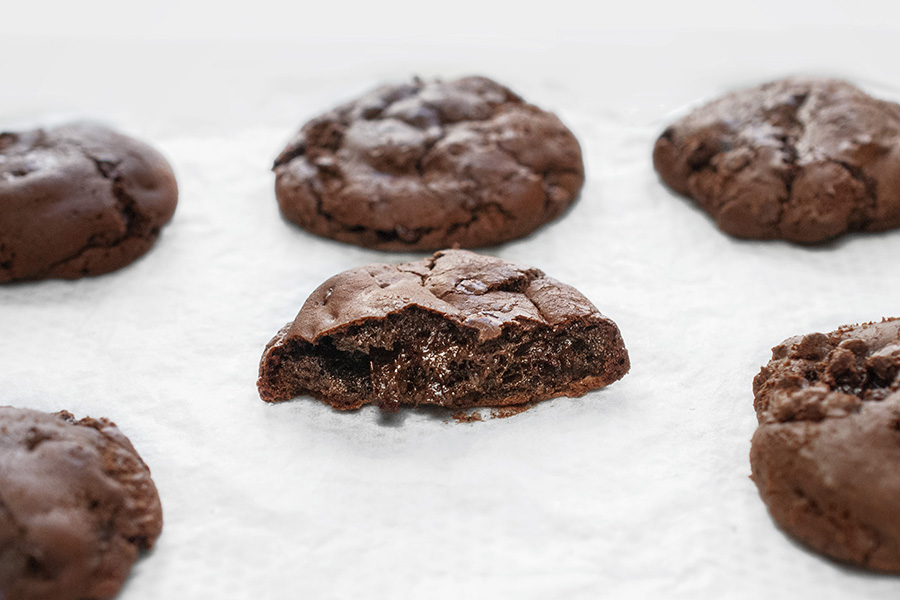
826	454
803	160
79	200
77	507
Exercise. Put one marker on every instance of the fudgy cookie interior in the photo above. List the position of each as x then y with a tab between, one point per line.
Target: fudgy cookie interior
77	507
419	355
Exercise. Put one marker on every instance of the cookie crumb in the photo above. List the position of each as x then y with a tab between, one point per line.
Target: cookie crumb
463	416
504	412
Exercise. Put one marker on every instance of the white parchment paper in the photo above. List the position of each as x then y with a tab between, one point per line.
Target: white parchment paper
640	490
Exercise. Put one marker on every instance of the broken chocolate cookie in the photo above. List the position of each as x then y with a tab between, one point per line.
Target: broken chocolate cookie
826	455
77	507
79	200
803	160
456	330
427	165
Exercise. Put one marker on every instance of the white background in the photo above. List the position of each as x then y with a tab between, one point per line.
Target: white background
639	490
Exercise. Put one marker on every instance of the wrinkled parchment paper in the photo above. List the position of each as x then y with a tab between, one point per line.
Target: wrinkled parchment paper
640	490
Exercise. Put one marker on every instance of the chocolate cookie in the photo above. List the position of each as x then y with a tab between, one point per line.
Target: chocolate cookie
804	160
423	166
77	506
456	330
78	200
826	455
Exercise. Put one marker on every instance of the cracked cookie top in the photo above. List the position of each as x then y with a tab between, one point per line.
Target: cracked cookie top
826	454
819	375
804	160
427	165
77	506
477	291
78	200
457	330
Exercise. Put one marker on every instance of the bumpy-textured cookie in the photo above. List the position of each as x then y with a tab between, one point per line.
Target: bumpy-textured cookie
77	506
456	330
803	160
826	455
78	200
428	165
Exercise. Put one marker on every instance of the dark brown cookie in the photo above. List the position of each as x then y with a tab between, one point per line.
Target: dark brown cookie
428	165
78	200
826	455
804	160
456	330
77	506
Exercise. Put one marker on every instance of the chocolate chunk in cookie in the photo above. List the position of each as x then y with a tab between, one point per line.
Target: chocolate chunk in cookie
77	507
456	330
826	455
424	166
78	200
803	160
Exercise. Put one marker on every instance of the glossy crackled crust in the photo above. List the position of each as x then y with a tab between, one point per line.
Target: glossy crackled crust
455	330
77	506
427	165
826	455
78	200
804	160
